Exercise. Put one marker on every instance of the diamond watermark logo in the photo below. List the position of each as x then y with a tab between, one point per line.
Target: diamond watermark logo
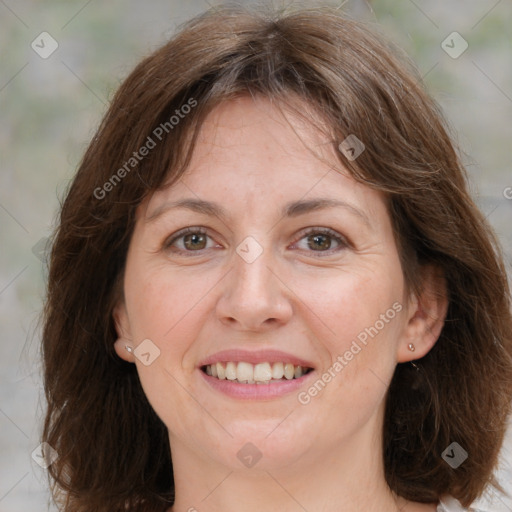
454	45
351	147
44	45
249	455
249	249
40	249
454	455
146	352
44	455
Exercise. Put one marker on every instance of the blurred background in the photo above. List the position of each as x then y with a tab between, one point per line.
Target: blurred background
61	61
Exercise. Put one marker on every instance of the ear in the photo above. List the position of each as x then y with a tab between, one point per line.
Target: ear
124	340
426	315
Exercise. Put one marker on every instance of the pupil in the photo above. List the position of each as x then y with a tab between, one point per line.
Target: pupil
194	238
318	239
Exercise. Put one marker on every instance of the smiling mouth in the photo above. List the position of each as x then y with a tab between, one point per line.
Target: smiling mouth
261	373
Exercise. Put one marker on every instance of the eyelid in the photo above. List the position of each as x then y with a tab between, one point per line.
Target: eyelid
181	233
343	241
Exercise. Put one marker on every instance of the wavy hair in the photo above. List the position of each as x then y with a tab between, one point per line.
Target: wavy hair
114	452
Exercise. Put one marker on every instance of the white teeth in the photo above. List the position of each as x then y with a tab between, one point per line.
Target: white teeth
244	372
231	371
221	371
277	370
289	371
261	373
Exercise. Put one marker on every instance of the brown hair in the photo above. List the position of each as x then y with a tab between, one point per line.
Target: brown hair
113	450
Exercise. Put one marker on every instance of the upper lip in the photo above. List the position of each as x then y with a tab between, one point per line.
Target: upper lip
255	357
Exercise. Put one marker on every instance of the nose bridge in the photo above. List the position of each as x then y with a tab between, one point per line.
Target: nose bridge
253	294
252	269
252	275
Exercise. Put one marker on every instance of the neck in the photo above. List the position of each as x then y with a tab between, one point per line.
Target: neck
342	480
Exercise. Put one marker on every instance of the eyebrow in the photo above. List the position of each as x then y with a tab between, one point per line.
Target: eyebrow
292	209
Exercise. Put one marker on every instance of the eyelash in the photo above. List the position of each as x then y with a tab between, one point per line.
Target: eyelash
342	241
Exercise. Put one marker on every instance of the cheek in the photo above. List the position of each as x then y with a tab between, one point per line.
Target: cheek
364	311
168	308
363	318
352	385
358	307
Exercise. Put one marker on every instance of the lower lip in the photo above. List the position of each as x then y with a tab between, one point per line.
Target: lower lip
235	389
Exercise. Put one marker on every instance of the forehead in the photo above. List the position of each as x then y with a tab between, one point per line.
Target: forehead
261	123
255	150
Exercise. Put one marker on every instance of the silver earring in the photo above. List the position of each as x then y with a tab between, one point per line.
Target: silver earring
128	348
411	347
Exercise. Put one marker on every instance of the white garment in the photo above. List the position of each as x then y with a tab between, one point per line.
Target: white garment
450	504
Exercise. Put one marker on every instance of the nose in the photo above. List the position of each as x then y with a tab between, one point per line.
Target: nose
254	297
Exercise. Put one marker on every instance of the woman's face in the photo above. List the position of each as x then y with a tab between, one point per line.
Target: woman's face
289	261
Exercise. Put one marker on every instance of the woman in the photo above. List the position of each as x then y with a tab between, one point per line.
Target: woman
270	289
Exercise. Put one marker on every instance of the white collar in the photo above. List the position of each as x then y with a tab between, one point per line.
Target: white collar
450	504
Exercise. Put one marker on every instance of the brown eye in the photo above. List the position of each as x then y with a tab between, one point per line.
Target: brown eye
319	241
187	241
322	240
194	241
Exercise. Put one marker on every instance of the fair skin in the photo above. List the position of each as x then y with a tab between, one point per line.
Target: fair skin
307	295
